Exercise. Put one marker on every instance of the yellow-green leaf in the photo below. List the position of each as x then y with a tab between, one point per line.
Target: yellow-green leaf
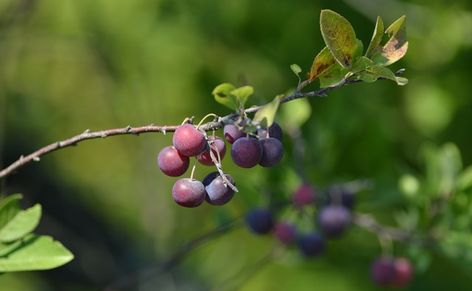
36	253
333	75
222	94
242	94
22	224
376	38
322	62
265	116
396	46
339	37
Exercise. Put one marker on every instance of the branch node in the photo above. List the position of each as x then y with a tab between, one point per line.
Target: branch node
36	159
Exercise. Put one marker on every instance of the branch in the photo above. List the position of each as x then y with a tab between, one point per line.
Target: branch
86	135
368	223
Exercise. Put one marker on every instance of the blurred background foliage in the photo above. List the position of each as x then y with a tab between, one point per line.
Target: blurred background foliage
67	66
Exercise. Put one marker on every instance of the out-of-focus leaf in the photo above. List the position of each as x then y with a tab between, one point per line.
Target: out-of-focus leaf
464	181
376	38
323	61
421	258
265	116
9	207
339	37
451	165
408	219
295	113
409	185
21	224
397	45
222	94
36	253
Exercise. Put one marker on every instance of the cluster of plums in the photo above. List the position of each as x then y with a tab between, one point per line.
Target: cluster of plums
333	220
388	271
264	147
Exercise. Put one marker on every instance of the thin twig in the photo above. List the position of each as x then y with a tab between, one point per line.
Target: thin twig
213	125
368	223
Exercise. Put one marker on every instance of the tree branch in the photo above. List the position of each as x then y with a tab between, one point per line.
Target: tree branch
129	130
368	223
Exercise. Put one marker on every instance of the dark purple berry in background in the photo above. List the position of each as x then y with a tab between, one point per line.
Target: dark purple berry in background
260	220
217	193
343	197
311	244
272	152
304	195
246	152
171	162
334	220
383	271
188	140
217	146
232	133
274	131
188	192
285	232
403	272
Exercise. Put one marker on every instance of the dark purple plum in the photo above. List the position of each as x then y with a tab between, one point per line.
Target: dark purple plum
232	133
188	192
189	141
217	193
272	152
383	271
311	244
260	220
217	146
171	162
403	272
304	195
285	232
274	131
334	220
246	152
342	196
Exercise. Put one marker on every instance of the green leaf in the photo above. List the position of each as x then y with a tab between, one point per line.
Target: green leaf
397	45
23	223
361	64
242	94
376	38
323	61
464	181
296	69
222	94
265	116
6	248
36	253
332	76
450	163
295	113
339	37
9	207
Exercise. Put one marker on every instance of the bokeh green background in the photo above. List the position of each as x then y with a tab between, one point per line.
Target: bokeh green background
67	66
